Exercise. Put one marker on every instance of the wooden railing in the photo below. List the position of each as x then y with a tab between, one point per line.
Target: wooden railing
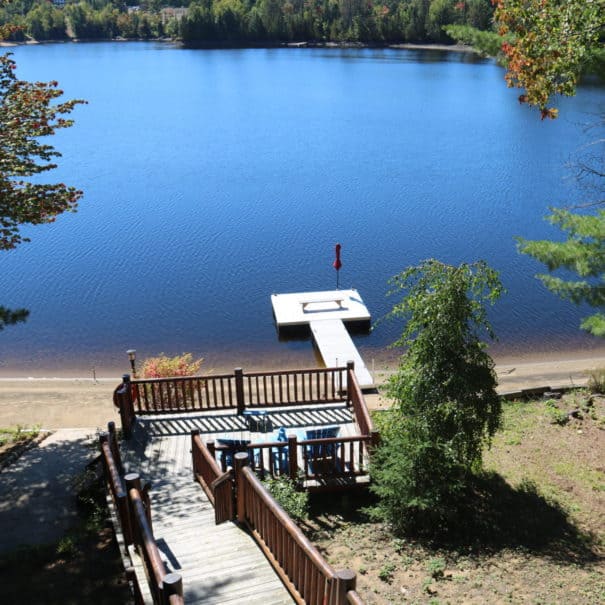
134	515
112	466
357	400
318	459
308	577
235	391
353	598
183	394
217	484
296	387
165	588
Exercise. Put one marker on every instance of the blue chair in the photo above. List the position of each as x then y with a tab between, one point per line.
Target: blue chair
234	445
281	460
322	457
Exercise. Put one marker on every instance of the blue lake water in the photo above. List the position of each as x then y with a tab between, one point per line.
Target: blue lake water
214	178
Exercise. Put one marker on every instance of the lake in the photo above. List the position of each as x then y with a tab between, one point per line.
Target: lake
214	178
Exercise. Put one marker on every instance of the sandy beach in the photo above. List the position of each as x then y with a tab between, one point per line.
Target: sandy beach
52	403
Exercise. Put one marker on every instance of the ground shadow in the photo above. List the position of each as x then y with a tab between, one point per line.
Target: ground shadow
492	516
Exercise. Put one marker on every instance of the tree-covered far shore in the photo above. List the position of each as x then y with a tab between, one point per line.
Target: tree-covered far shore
247	22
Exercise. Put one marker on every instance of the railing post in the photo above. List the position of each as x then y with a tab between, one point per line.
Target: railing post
241	460
374	438
350	370
239	391
125	519
292	457
344	581
126	406
113	445
194	455
133	480
172	584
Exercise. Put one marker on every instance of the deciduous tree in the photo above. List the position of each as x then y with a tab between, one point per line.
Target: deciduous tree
28	114
548	43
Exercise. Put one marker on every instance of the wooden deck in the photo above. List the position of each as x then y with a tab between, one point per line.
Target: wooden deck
218	563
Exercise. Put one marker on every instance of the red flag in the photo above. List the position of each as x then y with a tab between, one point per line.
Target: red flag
337	264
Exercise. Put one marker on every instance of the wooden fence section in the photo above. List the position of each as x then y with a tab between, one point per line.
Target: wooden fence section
217	484
183	394
234	391
308	577
357	400
134	515
296	387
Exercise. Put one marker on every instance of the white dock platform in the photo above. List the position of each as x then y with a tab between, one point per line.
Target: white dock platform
326	313
300	308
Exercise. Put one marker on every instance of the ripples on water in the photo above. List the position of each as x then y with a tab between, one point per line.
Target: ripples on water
215	178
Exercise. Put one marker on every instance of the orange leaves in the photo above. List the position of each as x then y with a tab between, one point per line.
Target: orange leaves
547	45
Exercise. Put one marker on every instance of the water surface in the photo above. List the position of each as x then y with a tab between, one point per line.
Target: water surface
214	178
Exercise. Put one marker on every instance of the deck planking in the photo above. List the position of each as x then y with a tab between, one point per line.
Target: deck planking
219	564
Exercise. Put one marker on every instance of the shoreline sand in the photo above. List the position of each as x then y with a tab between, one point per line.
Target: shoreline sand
71	402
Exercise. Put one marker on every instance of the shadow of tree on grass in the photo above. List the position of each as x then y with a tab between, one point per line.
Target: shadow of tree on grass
493	516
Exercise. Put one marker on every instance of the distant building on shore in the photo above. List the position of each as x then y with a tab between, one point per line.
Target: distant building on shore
173	12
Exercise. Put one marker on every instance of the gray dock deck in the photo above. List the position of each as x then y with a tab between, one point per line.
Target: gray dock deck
219	564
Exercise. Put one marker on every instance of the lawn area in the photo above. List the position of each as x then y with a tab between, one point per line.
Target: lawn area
533	531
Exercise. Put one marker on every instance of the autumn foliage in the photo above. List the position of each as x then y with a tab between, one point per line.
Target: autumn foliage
547	44
166	367
28	114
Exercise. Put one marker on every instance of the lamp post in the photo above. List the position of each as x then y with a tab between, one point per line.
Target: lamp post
132	356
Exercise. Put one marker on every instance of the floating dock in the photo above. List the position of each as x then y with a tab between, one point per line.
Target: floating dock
326	314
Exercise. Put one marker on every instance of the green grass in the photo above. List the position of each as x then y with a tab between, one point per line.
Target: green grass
12	435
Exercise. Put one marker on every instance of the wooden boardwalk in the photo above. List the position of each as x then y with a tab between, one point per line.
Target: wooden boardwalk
218	563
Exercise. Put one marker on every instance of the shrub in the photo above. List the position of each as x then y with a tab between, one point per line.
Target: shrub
596	380
294	502
167	367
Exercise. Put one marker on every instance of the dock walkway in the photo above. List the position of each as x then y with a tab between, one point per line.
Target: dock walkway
219	564
337	348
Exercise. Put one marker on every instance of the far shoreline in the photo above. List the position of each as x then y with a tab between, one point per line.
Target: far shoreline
455	47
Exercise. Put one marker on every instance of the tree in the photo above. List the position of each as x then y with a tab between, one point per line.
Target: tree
548	44
27	114
582	252
445	404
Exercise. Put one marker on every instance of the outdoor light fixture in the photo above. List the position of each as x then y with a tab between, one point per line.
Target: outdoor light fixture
132	356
